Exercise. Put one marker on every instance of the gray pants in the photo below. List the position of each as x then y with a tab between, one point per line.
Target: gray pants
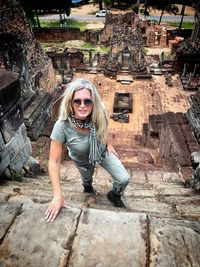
113	166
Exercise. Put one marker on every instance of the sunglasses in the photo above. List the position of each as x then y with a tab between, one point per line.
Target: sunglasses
87	102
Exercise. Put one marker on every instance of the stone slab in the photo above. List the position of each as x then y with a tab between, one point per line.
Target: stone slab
189	211
138	177
174	243
8	212
148	205
154	177
34	242
99	240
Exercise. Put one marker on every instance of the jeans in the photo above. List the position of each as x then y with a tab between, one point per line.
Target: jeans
113	166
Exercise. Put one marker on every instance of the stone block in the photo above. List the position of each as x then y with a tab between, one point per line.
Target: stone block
170	118
10	92
174	242
37	114
14	147
103	230
186	173
2	143
187	133
181	117
25	151
8	213
34	242
11	121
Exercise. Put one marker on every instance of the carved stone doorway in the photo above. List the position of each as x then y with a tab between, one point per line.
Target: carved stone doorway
126	58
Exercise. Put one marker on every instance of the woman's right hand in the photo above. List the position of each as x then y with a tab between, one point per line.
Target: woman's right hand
56	204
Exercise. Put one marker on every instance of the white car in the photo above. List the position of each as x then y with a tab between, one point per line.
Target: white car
101	13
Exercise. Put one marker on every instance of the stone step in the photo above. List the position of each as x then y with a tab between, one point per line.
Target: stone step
162	217
71	239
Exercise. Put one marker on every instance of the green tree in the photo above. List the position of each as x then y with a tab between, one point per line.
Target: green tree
32	8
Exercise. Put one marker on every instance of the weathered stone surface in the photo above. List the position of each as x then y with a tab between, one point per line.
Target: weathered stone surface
174	243
138	177
19	143
37	114
154	176
148	205
34	242
8	213
100	242
171	177
9	86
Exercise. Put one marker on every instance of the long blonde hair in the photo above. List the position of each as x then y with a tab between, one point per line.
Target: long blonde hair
98	116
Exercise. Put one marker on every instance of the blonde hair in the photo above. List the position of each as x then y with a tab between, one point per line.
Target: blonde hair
98	116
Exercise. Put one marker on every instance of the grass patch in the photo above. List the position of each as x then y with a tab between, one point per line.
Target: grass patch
69	23
185	24
99	48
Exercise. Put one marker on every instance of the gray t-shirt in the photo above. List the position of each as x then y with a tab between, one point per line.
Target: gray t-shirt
77	143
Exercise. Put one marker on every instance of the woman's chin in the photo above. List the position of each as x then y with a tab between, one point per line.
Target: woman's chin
81	117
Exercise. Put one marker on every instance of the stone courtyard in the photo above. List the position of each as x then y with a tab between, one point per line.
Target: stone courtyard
161	224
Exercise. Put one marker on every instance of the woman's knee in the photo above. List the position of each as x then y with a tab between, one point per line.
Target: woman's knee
126	179
123	179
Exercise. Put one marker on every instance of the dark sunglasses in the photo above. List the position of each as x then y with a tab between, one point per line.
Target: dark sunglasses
87	102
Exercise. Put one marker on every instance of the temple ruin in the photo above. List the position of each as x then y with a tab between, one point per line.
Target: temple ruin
24	64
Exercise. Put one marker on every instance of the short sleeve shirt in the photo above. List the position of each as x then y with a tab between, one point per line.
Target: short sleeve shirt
77	143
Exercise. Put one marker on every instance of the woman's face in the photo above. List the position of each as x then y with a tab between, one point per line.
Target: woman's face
82	104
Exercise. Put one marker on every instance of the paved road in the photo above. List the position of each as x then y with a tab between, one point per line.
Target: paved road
93	18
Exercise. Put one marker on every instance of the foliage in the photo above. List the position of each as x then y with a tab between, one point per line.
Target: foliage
16	176
135	8
163	5
96	48
69	23
185	24
33	7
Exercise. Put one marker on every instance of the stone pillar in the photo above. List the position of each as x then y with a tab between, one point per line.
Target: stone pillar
15	146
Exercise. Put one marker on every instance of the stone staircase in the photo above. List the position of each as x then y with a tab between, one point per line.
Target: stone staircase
160	226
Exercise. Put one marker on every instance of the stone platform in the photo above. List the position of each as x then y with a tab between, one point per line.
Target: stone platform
160	227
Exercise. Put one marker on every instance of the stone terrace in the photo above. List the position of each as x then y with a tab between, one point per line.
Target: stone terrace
160	226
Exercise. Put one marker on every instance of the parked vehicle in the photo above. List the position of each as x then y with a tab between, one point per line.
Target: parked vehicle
101	13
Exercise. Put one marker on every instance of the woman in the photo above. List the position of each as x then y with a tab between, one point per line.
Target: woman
82	125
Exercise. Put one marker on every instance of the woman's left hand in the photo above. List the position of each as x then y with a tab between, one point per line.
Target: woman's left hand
111	149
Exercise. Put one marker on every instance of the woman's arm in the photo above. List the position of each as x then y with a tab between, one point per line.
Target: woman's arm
110	147
54	172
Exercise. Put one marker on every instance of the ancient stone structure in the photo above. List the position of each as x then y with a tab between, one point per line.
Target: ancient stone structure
123	102
30	105
57	34
125	40
193	114
21	53
120	116
187	57
171	134
15	146
70	58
